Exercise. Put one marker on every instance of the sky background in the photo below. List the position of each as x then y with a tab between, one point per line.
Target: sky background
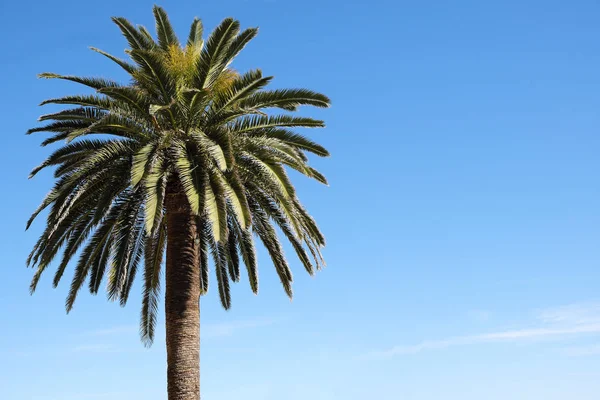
462	215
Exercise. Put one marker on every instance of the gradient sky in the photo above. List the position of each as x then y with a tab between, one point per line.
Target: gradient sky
462	218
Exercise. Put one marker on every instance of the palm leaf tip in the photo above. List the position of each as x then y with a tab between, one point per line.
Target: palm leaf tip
48	75
166	35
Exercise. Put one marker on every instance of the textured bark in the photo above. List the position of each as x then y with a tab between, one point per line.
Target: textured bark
182	300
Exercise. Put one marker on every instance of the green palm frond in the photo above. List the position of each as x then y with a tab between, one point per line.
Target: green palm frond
216	207
127	233
129	68
154	74
62	126
153	252
93	258
71	152
248	252
287	99
99	102
203	253
84	114
76	239
233	259
195	40
155	189
292	139
213	57
150	40
131	97
239	89
258	122
219	255
136	39
268	236
164	30
94	83
190	176
142	162
238	44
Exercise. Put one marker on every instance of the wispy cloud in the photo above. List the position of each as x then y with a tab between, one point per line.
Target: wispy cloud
573	314
557	323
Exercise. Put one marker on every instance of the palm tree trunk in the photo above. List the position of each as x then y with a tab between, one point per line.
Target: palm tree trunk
182	300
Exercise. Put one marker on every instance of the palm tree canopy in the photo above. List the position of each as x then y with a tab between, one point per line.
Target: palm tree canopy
185	122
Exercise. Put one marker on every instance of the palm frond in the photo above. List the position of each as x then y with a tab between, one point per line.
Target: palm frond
129	68
155	189
195	40
126	235
287	99
257	122
233	259
154	74
204	233
219	254
213	58
216	206
93	258
292	139
238	44
190	176
164	30
153	254
240	88
99	102
268	236
94	83
136	39
142	162
70	152
248	252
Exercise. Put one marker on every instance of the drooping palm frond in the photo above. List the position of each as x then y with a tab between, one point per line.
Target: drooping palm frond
186	120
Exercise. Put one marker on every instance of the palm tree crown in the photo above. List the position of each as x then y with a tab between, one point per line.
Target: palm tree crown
186	122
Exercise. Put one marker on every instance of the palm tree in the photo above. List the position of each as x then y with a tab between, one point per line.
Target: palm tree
187	156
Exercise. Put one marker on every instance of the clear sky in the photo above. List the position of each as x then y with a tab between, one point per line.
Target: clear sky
463	216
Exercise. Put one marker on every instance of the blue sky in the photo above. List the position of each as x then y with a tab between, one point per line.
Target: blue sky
462	218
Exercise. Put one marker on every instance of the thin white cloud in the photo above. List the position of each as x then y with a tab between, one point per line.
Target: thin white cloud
560	323
573	314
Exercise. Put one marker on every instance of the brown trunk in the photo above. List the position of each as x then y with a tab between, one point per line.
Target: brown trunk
182	300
